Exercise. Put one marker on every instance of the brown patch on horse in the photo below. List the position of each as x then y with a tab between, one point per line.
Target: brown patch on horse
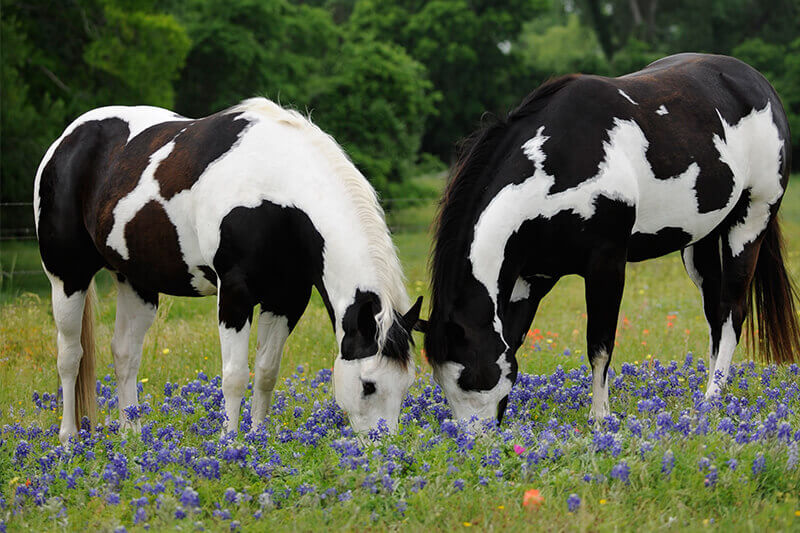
156	261
200	144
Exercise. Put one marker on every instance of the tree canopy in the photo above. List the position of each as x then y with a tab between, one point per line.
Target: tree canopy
394	81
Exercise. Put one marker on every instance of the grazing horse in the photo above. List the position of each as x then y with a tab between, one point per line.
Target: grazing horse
691	153
255	204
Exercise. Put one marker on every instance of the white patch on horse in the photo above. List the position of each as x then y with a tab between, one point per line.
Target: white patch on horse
727	345
68	315
304	168
599	409
516	203
134	318
468	403
145	191
662	110
753	149
235	372
273	330
391	381
628	98
521	291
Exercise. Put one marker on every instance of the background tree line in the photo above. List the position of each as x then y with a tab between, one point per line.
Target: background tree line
396	82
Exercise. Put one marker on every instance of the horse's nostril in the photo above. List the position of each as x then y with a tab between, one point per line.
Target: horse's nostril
368	387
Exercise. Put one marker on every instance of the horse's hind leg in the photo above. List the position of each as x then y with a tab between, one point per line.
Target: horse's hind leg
738	268
136	311
703	264
275	324
234	313
605	281
68	315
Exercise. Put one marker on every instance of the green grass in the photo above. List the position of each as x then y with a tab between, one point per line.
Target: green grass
660	318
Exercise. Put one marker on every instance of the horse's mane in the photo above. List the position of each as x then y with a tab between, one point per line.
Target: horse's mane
460	196
383	254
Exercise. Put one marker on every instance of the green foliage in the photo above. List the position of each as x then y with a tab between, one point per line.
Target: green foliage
106	53
27	122
562	48
391	80
375	104
142	52
458	42
780	64
245	48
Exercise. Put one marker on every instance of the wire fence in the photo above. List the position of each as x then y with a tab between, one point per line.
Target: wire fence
20	217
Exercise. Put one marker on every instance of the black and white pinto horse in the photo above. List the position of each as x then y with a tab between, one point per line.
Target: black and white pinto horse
255	204
691	153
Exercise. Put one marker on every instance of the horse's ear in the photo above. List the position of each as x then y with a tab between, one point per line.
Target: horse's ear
411	318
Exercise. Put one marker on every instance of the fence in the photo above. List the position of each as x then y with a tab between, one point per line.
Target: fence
20	216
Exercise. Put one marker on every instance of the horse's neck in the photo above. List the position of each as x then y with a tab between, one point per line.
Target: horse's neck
345	270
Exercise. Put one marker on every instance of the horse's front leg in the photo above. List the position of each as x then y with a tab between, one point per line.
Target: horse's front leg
273	330
605	281
234	313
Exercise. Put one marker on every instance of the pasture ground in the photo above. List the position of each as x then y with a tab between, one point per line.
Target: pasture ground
478	485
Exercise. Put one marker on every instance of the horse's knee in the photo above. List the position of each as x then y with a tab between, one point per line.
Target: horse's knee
234	381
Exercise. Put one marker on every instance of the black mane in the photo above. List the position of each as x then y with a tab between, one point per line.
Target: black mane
467	178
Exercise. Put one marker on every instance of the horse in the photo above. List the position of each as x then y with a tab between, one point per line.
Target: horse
255	204
690	154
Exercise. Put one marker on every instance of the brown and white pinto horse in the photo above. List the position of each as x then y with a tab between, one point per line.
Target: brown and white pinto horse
691	153
255	204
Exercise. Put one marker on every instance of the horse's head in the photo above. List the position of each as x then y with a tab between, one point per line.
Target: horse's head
374	369
471	361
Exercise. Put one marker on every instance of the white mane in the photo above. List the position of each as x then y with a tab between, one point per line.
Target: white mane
383	254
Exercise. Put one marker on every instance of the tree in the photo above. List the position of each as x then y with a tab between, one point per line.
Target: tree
245	48
780	64
466	49
113	53
375	104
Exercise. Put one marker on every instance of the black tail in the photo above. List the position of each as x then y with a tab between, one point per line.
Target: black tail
773	328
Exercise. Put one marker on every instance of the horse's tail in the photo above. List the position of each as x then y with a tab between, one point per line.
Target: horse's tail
773	327
85	401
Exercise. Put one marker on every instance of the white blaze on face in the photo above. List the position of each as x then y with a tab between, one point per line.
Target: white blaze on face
469	403
662	110
391	381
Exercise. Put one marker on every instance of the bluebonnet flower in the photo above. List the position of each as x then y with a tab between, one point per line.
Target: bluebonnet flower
621	471
190	498
573	503
667	462
458	484
758	464
401	507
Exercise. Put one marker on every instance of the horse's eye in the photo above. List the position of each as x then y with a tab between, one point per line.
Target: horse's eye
369	387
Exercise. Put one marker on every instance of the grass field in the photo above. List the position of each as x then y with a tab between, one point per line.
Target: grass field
665	460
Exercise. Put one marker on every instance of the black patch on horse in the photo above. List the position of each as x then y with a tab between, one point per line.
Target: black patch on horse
64	188
649	245
165	271
271	255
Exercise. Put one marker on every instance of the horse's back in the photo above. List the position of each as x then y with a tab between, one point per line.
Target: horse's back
685	141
